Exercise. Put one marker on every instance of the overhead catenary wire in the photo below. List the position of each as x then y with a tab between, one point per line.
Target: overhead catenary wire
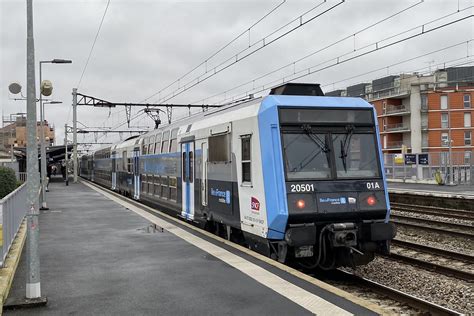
247	30
340	60
264	42
93	45
294	62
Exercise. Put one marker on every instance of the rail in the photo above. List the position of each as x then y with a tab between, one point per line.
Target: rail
13	210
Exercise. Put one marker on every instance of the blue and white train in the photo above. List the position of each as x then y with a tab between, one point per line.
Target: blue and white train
295	175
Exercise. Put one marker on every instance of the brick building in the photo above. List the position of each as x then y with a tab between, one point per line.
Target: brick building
419	113
14	133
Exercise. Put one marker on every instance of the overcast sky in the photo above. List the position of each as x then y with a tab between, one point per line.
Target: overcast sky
145	45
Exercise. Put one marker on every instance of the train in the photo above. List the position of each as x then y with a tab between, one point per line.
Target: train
295	175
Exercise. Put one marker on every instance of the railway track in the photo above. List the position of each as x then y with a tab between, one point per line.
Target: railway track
451	264
431	210
399	296
460	230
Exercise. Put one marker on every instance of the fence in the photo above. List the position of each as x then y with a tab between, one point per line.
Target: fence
429	166
12	211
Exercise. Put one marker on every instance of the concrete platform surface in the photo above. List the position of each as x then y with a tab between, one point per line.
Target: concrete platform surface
462	191
100	258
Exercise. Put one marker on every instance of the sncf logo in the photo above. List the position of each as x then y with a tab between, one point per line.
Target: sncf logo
255	204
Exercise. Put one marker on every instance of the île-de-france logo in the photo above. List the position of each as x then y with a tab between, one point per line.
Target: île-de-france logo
255	204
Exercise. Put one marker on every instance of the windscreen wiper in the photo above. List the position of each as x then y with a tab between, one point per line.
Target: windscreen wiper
312	135
318	141
345	145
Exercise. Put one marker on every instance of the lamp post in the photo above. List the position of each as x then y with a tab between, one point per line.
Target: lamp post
44	205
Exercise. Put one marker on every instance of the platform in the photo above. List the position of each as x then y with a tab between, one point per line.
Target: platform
101	256
444	191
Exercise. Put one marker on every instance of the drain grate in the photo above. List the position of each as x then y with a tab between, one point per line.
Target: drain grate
152	229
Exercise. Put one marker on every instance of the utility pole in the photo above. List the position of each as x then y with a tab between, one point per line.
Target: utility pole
33	285
74	132
451	174
65	156
44	205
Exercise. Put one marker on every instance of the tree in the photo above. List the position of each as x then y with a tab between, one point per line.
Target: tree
8	181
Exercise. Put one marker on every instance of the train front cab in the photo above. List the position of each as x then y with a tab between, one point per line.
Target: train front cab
333	205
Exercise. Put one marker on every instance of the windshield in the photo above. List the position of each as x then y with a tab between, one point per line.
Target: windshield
311	155
306	158
359	157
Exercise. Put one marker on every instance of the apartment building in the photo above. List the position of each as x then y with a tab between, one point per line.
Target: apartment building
421	113
14	133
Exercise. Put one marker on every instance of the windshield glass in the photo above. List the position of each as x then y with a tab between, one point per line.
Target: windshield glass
305	157
359	157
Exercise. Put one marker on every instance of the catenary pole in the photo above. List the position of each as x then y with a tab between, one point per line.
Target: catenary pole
33	285
65	155
44	204
74	132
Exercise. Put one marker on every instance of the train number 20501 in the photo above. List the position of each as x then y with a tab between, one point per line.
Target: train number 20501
302	187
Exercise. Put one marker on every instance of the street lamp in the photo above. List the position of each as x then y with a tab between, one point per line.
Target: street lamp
43	149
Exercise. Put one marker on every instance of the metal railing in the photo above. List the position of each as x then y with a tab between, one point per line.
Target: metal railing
12	212
430	166
396	144
392	109
397	127
390	92
21	177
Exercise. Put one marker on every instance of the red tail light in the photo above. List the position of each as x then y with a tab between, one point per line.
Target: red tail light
300	204
371	200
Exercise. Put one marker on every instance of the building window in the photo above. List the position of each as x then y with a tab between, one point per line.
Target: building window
444	102
467	138
246	159
384	106
467	157
444	139
444	120
424	102
467	119
467	101
384	123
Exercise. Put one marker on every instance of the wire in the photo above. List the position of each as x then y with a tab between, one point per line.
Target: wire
247	30
338	60
293	63
237	57
93	44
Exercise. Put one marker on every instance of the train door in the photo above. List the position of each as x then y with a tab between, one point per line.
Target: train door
187	180
136	174
204	175
114	170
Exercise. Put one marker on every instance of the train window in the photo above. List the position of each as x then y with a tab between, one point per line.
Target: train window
164	187
144	146
191	168
144	184
165	142
152	145
356	155
174	141
183	169
306	157
173	188
246	158
158	143
157	185
124	160
219	148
